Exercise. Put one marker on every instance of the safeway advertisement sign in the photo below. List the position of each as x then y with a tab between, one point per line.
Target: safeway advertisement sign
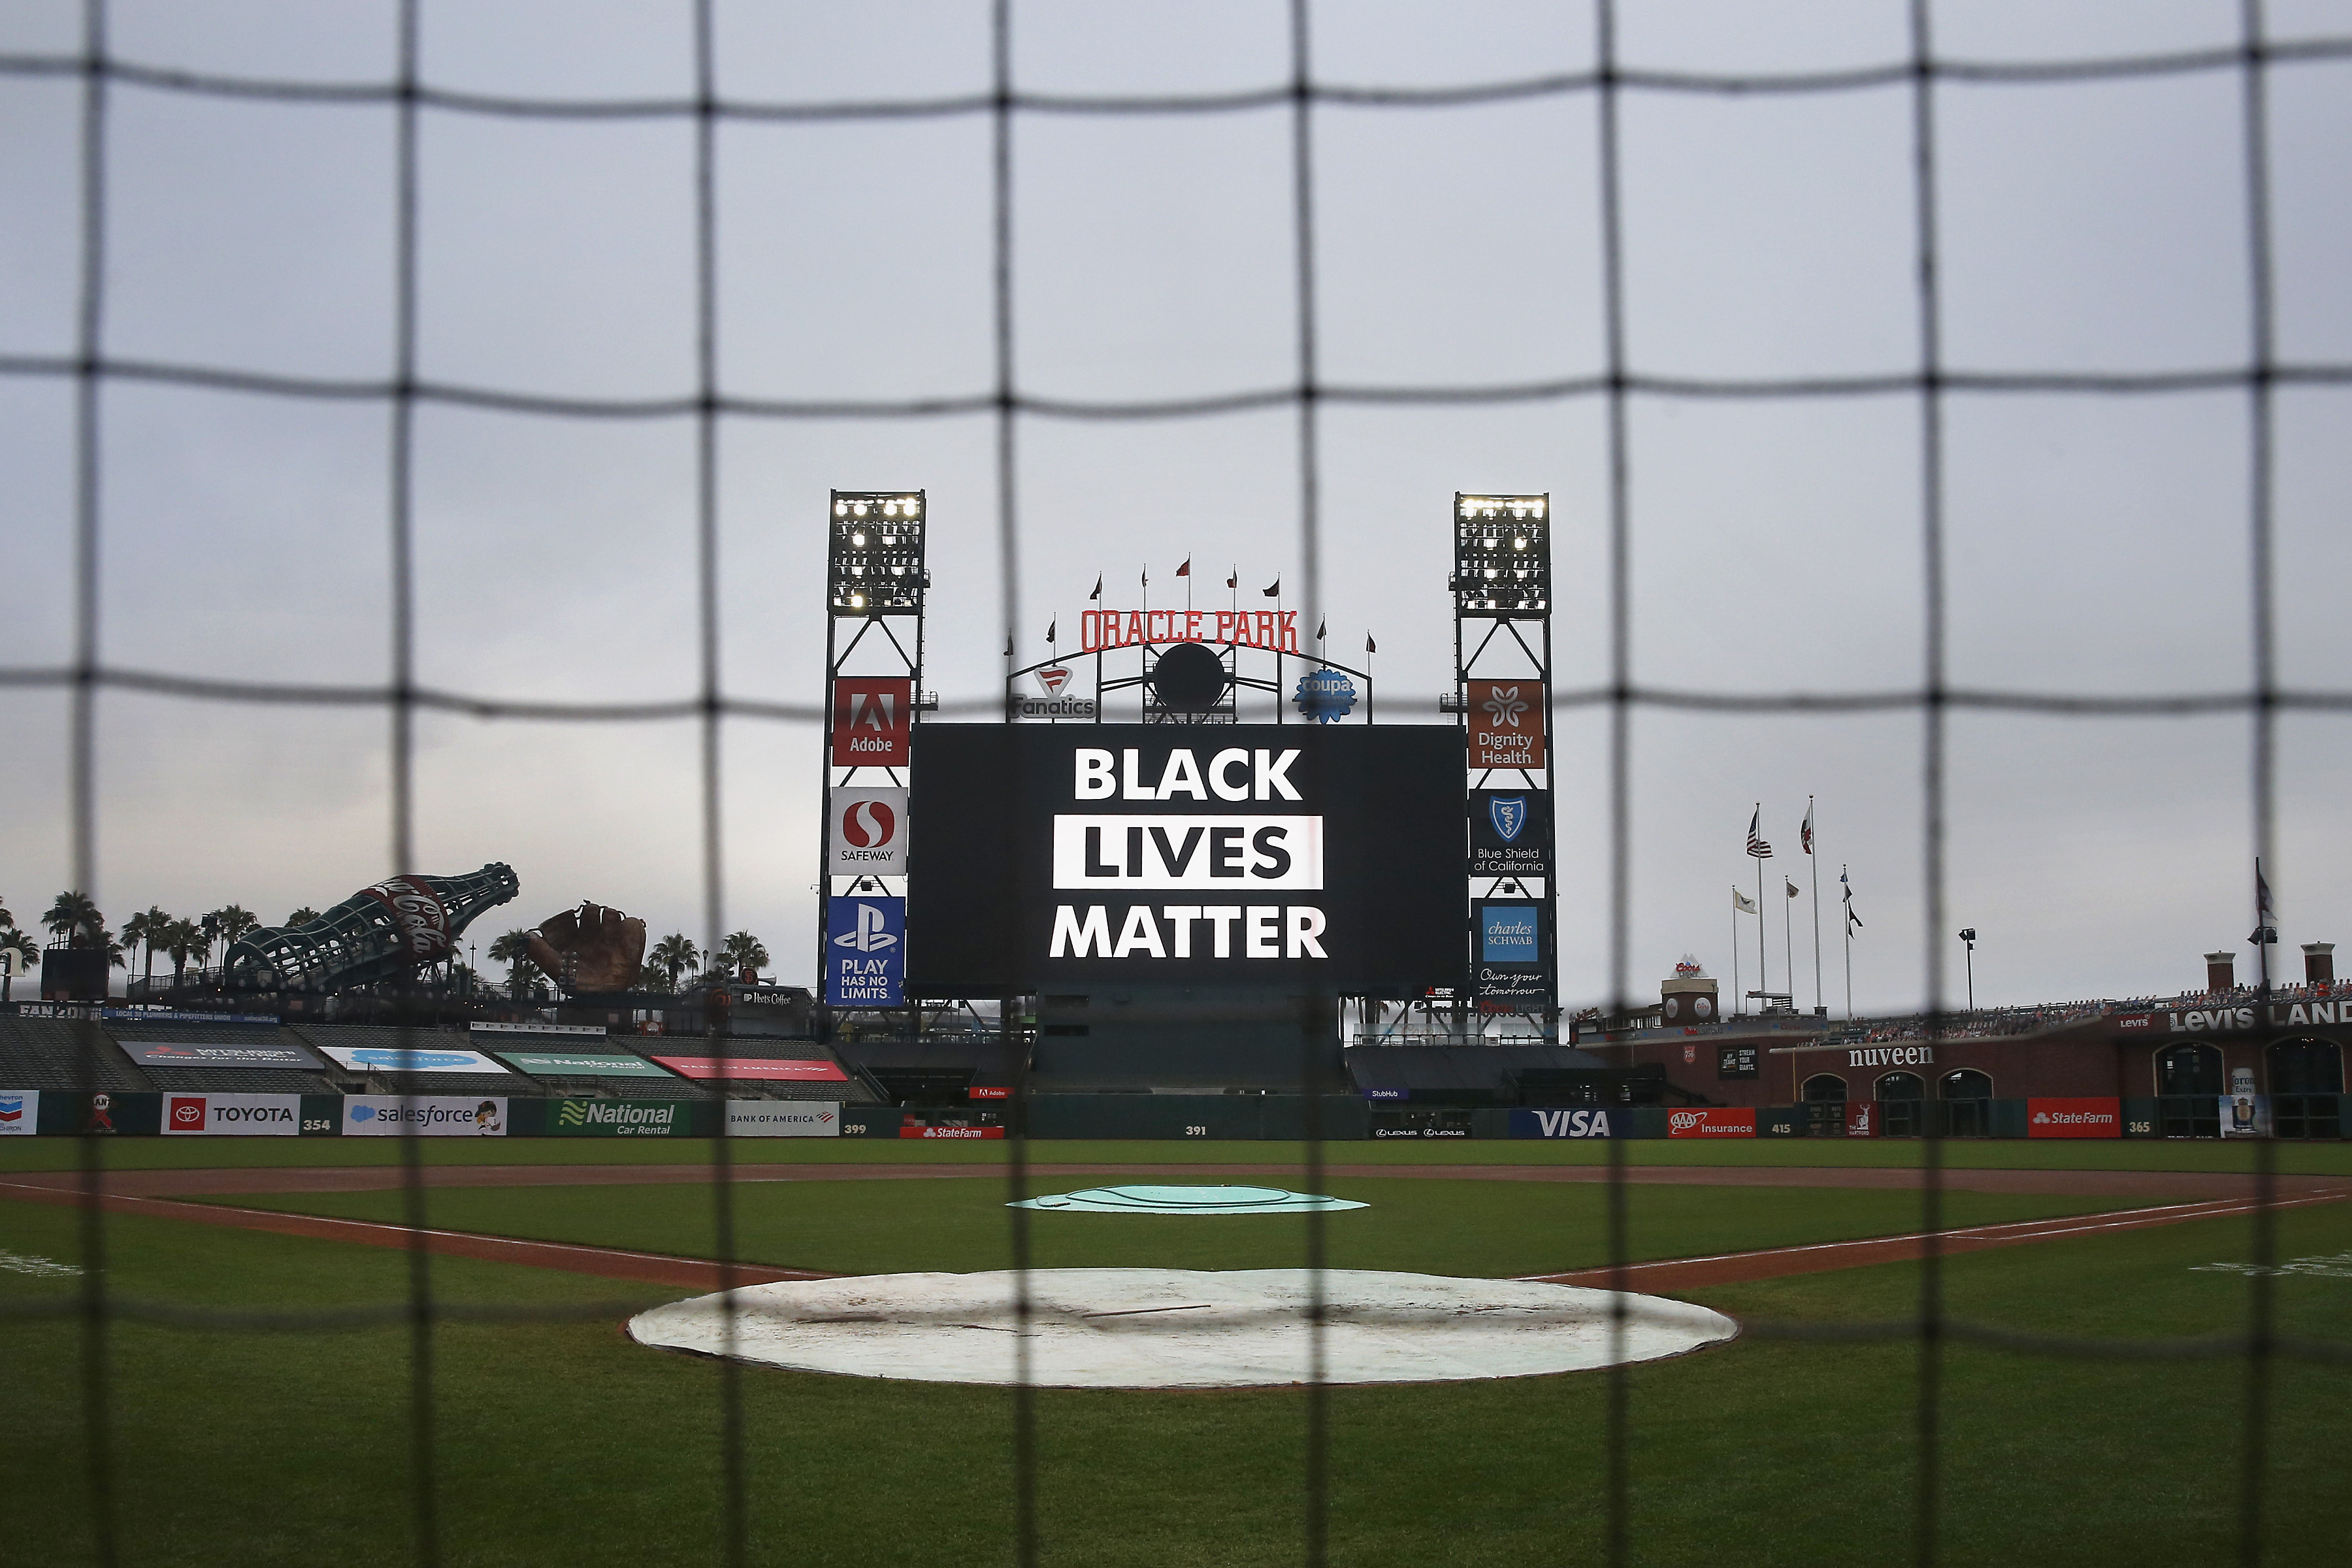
1715	1121
2073	1118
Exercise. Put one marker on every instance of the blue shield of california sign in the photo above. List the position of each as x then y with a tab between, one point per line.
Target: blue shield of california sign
1510	832
865	951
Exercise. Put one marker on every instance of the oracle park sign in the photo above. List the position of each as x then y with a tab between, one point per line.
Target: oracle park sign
1309	860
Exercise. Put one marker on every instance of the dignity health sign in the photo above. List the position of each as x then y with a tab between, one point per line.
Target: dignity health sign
1288	858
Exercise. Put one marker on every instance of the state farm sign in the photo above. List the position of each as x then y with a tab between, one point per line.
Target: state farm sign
2091	1117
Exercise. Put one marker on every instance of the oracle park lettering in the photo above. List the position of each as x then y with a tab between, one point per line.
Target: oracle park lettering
1318	859
1277	631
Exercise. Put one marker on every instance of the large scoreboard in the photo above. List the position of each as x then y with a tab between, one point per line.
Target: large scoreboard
1291	860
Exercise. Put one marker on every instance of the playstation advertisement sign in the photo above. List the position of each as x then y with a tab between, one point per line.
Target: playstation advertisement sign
1510	832
1292	858
865	951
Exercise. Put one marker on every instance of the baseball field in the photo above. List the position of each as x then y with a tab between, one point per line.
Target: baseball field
259	1379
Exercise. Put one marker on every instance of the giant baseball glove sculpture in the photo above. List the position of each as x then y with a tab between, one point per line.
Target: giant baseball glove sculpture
590	948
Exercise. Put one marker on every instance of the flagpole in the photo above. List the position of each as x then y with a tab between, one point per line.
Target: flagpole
1739	998
1846	902
1813	853
1787	944
1763	968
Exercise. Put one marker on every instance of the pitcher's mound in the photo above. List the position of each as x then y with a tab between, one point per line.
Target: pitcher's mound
1180	1327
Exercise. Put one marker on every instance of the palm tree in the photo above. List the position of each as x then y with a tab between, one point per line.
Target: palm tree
13	941
513	950
74	920
147	927
674	955
744	953
231	922
302	916
182	939
7	921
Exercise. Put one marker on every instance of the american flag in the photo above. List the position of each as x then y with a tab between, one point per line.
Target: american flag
1756	845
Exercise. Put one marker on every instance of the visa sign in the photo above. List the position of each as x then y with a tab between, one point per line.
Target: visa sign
1570	1124
865	951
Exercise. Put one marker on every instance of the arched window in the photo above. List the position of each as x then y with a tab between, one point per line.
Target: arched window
2188	1069
1901	1086
1825	1087
1899	1095
1967	1103
1965	1084
2297	1067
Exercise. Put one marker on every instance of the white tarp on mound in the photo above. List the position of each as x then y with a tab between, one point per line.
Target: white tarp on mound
1186	1200
1180	1328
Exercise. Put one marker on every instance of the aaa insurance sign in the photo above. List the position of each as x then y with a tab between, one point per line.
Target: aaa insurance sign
865	952
1284	857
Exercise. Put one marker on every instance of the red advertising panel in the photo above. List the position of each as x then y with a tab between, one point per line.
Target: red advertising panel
1861	1118
1715	1121
2073	1118
1507	723
910	1131
872	717
988	1091
749	1068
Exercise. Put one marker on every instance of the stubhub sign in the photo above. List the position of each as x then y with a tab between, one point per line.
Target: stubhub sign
1071	856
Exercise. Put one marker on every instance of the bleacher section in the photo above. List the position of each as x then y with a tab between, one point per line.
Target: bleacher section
127	1033
51	1054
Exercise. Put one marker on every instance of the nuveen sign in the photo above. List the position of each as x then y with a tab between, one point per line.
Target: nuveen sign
1309	859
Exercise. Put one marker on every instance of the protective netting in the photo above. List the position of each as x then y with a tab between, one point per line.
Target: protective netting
1929	384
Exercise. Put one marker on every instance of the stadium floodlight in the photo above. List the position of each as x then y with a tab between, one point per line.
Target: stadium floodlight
873	562
1502	556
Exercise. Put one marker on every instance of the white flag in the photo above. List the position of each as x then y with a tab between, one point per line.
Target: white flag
1742	903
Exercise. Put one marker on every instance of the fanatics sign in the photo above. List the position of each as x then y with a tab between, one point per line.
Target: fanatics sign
1061	858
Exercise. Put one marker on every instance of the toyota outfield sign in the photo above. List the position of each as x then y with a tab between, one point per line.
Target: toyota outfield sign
1066	857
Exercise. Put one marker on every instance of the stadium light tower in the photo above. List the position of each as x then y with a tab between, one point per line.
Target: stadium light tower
1968	936
875	585
1502	690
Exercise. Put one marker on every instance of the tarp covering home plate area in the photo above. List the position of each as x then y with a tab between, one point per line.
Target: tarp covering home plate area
1180	1328
1186	1200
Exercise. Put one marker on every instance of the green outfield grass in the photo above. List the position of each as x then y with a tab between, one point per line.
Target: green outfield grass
1958	1154
1470	1228
567	1444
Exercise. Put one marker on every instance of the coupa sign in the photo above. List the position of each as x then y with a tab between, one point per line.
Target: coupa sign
1059	857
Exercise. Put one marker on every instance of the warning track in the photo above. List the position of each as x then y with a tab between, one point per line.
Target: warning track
163	1195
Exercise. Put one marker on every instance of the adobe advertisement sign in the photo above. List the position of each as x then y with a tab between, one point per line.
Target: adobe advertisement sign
865	951
1507	723
1285	857
233	1115
869	837
1712	1122
872	716
173	1054
1510	957
1510	832
2092	1118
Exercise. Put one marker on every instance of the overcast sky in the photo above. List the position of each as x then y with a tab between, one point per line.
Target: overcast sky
2093	543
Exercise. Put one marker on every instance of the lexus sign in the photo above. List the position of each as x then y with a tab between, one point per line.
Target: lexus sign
1304	858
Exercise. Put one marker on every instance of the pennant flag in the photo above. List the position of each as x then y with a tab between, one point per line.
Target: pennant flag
1756	845
1185	570
1274	591
1147	576
1742	903
1791	886
1052	626
1320	627
1806	832
1097	592
1852	918
1008	645
1369	646
1234	579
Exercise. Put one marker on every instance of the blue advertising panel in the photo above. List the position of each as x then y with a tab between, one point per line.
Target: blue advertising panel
865	951
1511	972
